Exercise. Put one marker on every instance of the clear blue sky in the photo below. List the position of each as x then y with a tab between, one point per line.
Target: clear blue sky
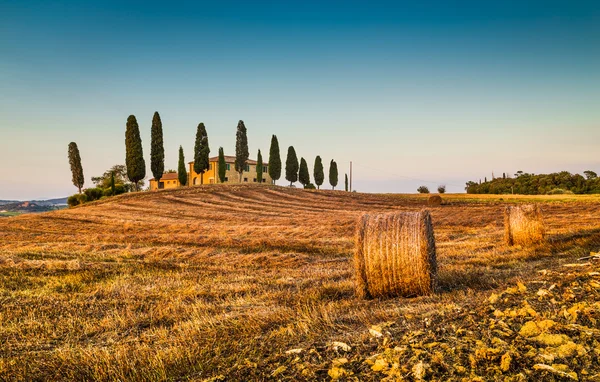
436	91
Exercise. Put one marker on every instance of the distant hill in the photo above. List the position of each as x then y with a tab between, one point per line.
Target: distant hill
12	208
51	202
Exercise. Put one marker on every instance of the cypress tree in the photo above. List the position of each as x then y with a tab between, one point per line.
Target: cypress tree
76	168
181	169
112	183
222	165
157	150
134	155
304	176
291	166
201	151
346	182
333	174
259	167
241	148
318	172
274	159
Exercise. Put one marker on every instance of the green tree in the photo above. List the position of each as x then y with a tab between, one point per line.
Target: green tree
333	174
303	175
241	149
291	166
222	165
181	168
259	167
318	172
76	168
157	150
113	187
346	183
274	160
201	151
134	155
442	189
589	174
423	190
122	183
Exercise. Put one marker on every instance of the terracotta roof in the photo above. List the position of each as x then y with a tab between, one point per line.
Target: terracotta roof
230	159
168	176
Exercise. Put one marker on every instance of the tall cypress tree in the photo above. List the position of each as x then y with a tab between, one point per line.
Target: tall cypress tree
346	183
113	187
333	174
259	167
291	166
222	165
318	172
134	155
76	168
157	150
304	176
181	169
274	159
201	152
241	148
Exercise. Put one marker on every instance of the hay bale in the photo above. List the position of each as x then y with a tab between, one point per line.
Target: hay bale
434	200
395	255
523	225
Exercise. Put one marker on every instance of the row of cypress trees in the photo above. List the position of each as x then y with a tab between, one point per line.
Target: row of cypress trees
295	171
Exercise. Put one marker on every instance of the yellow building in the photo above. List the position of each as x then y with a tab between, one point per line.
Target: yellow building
231	176
211	176
168	180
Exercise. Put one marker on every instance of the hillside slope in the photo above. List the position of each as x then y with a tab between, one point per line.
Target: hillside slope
255	283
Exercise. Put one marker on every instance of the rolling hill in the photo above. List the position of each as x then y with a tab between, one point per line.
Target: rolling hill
255	283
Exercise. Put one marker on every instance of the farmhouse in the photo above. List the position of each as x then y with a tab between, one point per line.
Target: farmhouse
211	176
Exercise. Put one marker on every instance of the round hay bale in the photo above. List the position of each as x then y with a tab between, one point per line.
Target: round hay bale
434	200
395	255
523	225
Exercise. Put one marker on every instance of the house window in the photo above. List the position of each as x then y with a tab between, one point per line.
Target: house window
247	168
265	169
264	181
245	179
254	180
228	167
210	167
212	180
226	178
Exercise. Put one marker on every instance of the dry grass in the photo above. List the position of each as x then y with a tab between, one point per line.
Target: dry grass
523	225
221	280
395	255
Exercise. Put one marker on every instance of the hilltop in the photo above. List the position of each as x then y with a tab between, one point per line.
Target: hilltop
255	283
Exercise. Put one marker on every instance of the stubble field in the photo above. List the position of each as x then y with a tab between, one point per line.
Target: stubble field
255	283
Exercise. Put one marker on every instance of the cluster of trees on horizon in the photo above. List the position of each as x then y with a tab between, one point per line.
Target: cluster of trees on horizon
538	184
135	166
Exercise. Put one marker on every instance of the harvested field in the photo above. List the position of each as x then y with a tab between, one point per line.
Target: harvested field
256	283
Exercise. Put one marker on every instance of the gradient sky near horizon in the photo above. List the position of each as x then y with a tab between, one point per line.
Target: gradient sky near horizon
430	92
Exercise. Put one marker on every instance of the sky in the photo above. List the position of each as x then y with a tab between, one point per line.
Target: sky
427	92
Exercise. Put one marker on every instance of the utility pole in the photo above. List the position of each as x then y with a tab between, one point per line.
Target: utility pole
350	176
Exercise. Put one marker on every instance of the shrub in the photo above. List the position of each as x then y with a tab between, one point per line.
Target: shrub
442	189
423	190
310	186
120	189
93	193
77	199
107	192
559	191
